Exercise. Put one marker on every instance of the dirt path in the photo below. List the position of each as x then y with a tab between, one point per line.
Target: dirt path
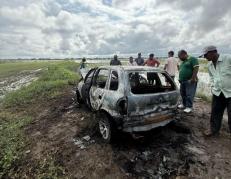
176	150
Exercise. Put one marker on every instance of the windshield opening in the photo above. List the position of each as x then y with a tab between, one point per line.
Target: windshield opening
150	82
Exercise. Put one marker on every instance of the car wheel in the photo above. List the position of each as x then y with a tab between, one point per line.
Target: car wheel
106	128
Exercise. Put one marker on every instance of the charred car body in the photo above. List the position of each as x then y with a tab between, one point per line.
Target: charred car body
131	99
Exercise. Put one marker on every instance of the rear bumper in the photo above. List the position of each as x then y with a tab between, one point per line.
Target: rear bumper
146	123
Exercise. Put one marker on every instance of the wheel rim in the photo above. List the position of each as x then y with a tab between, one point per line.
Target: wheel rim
104	130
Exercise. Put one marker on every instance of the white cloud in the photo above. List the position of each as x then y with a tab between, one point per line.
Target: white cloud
49	28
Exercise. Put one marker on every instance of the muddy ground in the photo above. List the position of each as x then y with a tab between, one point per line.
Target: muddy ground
178	150
13	83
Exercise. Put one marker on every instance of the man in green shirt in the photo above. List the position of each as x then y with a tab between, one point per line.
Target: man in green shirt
220	77
188	80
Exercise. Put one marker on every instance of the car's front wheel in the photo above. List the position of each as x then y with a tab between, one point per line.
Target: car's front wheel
106	128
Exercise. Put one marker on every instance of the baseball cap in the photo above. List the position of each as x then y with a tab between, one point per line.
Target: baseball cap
208	49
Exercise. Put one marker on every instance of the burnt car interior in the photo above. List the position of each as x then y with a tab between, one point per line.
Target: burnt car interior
150	82
101	78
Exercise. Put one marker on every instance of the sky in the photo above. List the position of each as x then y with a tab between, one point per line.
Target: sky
74	28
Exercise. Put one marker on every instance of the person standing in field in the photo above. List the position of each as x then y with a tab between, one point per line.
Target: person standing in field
188	71
83	63
171	65
152	62
220	77
139	60
115	61
132	62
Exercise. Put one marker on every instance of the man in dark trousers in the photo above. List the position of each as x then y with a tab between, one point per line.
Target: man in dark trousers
188	80
83	63
151	62
115	61
220	77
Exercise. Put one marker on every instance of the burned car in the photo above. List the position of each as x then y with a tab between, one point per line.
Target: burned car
129	98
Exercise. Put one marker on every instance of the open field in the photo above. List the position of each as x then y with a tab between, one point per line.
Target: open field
12	68
40	126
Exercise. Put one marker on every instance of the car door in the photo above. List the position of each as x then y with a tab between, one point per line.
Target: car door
87	85
99	88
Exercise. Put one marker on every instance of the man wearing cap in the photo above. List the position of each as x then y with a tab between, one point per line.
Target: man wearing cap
220	77
139	60
188	80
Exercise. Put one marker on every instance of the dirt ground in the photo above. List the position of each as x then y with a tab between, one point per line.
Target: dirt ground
178	150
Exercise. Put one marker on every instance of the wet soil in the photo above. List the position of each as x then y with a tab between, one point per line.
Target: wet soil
16	82
178	150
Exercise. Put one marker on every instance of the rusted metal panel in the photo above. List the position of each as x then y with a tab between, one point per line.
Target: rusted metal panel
148	127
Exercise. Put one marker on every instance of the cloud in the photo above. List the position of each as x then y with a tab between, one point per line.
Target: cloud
58	28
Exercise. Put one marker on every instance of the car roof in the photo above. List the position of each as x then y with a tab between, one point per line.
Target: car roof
133	68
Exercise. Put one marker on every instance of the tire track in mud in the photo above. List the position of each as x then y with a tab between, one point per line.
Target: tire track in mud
16	82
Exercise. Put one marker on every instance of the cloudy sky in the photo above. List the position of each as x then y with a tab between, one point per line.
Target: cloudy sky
71	28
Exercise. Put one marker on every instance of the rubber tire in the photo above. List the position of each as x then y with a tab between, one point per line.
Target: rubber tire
110	127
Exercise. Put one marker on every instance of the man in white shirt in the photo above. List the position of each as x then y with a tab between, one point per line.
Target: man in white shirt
220	76
132	62
171	65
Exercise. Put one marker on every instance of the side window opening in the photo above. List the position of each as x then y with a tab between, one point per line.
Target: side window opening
114	82
101	78
150	82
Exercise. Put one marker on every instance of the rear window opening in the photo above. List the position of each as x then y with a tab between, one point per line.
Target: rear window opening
150	82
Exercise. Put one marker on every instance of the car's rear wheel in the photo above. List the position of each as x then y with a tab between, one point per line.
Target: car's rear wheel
106	128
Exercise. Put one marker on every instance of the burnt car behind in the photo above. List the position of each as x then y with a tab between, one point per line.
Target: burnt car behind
131	99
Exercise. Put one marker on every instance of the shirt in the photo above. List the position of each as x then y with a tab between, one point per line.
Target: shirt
139	61
220	77
115	62
171	66
152	62
132	64
186	68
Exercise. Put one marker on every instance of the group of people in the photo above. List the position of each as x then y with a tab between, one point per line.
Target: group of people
220	77
139	61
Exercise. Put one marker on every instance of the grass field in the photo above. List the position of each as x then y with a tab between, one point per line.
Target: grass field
11	68
16	109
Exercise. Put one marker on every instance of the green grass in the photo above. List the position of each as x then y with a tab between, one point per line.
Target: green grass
204	97
12	140
49	84
12	68
12	137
